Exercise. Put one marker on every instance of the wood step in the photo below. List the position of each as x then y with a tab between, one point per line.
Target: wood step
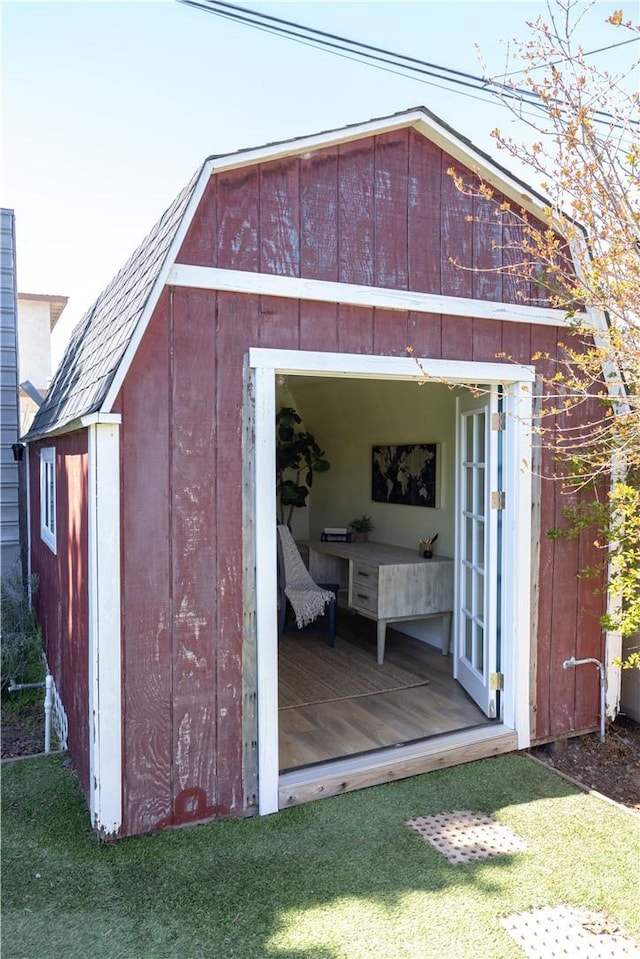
386	765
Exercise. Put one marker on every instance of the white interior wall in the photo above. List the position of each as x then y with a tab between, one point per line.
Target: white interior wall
347	418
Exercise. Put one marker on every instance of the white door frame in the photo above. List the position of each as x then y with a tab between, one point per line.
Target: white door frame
518	389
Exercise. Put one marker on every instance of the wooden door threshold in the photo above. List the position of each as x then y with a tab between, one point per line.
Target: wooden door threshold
386	765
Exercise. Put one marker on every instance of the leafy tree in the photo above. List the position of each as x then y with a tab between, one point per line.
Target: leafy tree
579	129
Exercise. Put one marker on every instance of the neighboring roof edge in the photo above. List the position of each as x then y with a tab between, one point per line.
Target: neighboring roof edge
56	303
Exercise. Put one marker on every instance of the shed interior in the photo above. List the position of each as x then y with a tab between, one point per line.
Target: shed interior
419	698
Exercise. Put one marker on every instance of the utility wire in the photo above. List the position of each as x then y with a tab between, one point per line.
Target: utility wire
359	51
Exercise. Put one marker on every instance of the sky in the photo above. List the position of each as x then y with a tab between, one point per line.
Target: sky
109	107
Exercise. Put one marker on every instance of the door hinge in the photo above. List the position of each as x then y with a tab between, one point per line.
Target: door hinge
498	421
498	499
496	681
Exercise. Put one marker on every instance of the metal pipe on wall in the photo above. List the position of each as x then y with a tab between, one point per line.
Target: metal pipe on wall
572	663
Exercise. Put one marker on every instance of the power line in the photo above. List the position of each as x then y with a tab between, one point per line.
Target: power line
377	56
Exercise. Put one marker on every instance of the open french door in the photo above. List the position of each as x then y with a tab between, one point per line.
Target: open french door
478	548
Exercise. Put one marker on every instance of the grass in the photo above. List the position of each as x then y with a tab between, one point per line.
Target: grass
343	878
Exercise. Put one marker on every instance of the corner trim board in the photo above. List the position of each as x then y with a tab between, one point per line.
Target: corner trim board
105	666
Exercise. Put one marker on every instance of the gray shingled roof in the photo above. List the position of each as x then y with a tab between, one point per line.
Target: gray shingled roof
98	343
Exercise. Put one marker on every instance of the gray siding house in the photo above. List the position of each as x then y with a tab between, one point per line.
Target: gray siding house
9	468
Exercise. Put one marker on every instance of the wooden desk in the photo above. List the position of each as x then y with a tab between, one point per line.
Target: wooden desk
390	584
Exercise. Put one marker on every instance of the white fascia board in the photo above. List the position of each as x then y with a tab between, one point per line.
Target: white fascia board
80	423
428	126
301	146
105	658
388	367
158	286
325	291
497	176
94	419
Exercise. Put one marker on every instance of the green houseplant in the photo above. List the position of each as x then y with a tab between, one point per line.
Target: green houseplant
298	458
361	526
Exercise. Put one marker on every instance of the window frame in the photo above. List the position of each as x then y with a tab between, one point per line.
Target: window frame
48	520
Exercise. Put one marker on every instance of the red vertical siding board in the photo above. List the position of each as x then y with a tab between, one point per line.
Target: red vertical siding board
592	601
487	249
457	238
564	621
356	212
278	323
193	551
146	583
280	218
390	206
590	638
62	599
318	326
424	333
424	210
238	219
487	340
457	338
516	287
355	329
236	330
516	342
73	551
319	215
390	329
199	246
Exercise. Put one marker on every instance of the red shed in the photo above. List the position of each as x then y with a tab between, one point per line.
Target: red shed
297	274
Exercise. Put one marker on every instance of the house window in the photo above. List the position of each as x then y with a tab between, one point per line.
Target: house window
48	496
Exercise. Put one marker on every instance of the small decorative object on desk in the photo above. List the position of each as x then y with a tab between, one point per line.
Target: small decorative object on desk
361	526
425	547
335	534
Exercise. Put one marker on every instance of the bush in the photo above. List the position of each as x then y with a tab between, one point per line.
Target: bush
21	648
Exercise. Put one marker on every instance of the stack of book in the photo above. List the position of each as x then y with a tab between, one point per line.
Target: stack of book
335	534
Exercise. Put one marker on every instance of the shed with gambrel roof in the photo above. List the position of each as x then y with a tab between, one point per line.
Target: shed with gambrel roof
299	273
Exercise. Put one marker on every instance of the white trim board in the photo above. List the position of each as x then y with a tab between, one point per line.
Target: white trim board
266	363
388	367
80	423
325	291
105	669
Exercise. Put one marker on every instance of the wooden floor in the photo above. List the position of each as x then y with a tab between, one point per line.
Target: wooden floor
324	731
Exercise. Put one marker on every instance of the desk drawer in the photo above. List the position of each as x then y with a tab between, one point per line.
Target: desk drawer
364	598
364	587
365	575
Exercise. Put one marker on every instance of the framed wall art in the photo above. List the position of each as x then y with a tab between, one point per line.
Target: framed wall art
406	475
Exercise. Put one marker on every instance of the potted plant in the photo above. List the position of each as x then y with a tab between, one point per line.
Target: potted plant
298	457
361	526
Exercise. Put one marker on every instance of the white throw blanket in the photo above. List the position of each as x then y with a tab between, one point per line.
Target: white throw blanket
307	598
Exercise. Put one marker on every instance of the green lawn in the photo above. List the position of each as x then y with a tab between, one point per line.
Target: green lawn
342	878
